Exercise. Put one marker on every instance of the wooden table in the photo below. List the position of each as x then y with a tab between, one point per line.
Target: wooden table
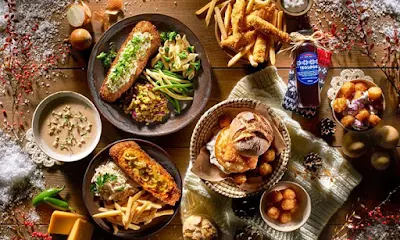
373	188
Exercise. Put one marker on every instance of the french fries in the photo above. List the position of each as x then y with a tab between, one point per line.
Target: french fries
243	23
140	209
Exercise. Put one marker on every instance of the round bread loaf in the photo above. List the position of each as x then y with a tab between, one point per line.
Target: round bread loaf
251	134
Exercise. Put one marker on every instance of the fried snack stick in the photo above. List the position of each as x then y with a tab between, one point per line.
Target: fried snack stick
272	57
266	28
260	49
238	16
236	41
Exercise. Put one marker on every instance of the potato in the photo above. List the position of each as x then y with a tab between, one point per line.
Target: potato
289	194
374	93
268	156
265	169
273	212
285	217
347	89
288	204
239	179
362	87
224	121
339	104
362	115
275	196
347	120
374	119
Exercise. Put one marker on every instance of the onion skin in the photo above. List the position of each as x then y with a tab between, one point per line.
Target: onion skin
80	39
87	13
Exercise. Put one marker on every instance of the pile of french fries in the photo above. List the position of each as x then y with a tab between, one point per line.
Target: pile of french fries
249	28
138	210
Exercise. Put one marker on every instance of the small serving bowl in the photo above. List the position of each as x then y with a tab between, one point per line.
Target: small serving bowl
298	218
37	120
294	14
369	84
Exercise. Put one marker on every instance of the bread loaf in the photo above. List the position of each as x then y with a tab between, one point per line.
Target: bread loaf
251	134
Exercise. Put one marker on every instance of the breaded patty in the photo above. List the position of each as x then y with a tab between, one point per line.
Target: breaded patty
144	170
144	26
229	158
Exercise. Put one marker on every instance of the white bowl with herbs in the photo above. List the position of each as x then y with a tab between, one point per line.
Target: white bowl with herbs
66	126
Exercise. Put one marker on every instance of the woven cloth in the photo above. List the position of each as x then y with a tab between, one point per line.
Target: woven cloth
327	193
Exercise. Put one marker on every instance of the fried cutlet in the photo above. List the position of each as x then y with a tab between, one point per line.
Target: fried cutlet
144	170
132	57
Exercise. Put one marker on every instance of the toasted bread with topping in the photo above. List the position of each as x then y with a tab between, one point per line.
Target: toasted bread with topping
132	57
146	171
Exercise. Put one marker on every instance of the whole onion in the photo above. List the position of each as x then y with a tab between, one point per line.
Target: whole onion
80	39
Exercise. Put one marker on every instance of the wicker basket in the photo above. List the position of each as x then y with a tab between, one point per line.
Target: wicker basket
202	134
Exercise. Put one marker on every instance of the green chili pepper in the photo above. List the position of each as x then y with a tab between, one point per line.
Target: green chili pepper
51	192
57	204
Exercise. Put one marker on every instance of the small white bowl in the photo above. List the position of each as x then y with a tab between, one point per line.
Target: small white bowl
298	218
48	149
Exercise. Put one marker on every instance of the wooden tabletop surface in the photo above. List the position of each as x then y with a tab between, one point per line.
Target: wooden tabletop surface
372	190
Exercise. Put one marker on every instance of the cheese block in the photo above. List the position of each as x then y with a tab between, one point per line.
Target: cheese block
62	222
82	230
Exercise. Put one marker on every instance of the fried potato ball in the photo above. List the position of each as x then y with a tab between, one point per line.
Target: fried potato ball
374	93
239	179
285	217
347	120
288	204
357	94
362	114
265	169
339	104
289	194
347	89
275	196
293	210
273	212
269	155
224	121
361	87
374	119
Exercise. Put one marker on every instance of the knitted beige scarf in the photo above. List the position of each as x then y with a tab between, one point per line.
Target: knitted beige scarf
327	196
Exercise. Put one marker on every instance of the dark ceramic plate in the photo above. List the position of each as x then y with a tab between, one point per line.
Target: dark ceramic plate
92	204
113	112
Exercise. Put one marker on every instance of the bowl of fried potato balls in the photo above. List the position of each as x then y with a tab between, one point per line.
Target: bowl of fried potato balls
358	105
286	206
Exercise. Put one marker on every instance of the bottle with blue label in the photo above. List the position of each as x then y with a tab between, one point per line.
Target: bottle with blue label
307	74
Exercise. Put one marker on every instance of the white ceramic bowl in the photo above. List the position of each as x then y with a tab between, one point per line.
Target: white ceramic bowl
48	149
298	218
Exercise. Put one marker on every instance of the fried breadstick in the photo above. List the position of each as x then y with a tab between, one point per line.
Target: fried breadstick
260	48
237	41
266	28
238	16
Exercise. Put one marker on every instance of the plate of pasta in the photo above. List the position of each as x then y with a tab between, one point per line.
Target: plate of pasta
149	75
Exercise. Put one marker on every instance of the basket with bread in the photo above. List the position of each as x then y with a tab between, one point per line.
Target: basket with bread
249	31
240	147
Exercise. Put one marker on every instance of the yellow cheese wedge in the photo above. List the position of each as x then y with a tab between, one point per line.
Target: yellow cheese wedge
62	222
82	230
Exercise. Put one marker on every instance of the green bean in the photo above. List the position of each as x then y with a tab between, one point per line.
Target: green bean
172	86
51	192
57	204
172	74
